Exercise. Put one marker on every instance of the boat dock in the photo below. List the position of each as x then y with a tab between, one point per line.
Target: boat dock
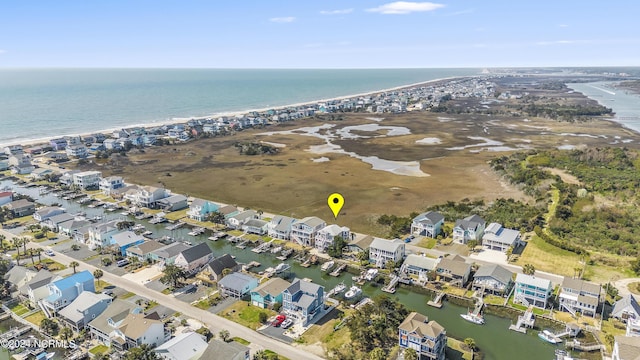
338	270
524	321
391	288
478	308
14	333
251	265
285	254
175	226
437	301
261	248
243	245
4	316
577	345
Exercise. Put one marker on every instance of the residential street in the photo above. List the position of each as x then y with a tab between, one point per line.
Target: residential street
214	322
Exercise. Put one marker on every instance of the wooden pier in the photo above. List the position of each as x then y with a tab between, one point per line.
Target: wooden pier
391	288
437	301
338	270
524	321
14	333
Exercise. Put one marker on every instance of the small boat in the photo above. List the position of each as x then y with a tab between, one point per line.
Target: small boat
327	266
197	231
147	233
549	337
213	238
45	355
471	317
138	227
282	267
339	288
353	292
307	279
371	274
188	243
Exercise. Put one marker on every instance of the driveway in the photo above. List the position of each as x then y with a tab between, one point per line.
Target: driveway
275	333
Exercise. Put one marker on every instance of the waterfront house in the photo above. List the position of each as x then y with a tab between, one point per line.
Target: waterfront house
100	234
191	260
626	308
579	296
626	348
56	157
47	212
20	208
454	270
18	276
530	290
173	203
427	224
360	243
233	350
5	197
200	209
144	251
382	251
54	221
304	231
112	144
86	307
419	265
326	236
70	227
269	293
228	211
167	255
255	226
37	288
215	268
124	240
146	196
20	164
67	177
58	144
427	338
302	300
237	220
77	150
110	183
493	280
498	238
280	227
103	325
469	228
184	346
40	173
237	285
13	150
62	292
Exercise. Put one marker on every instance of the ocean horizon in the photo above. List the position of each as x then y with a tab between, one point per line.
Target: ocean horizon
37	104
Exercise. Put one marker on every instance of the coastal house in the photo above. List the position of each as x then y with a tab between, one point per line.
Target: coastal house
626	308
194	258
86	307
498	238
228	211
326	236
227	350
40	173
280	227
167	254
20	164
62	292
579	296
184	346
454	270
427	224
200	209
304	231
144	251
530	290
418	265
360	243
237	285
53	222
47	212
303	300
269	293
67	177
236	221
4	165
13	150
469	228
110	183
20	208
57	157
100	234
58	144
18	276
5	197
382	251
124	240
255	226
173	203
626	348
37	288
112	144
493	280
77	151
146	196
216	267
633	327
427	338
72	226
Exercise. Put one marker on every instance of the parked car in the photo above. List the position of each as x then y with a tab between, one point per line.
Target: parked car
409	238
286	324
49	253
123	262
279	320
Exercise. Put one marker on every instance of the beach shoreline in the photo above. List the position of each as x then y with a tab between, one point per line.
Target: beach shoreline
182	120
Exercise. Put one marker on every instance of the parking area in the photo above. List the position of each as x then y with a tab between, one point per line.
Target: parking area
144	276
193	294
275	333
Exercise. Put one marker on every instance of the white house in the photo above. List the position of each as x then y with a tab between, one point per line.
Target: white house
185	346
280	227
626	348
579	295
236	221
304	231
427	224
110	183
146	196
77	150
326	235
469	228
193	258
100	234
87	179
626	308
381	251
498	238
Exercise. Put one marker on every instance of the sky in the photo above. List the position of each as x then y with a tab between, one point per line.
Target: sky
318	34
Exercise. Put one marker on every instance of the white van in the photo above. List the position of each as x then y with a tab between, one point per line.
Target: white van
123	262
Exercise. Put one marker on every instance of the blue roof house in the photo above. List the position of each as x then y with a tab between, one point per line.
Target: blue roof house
125	240
64	291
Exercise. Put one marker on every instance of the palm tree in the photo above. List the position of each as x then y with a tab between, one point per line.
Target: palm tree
65	333
74	264
98	274
31	254
2	237
25	240
410	354
17	242
224	335
528	269
38	252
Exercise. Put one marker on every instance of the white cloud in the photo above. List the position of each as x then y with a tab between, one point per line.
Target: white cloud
563	25
2	51
336	12
405	7
286	19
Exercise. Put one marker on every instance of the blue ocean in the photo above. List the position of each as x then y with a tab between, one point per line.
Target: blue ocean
41	103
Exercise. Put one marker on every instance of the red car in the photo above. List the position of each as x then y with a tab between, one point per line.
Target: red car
279	319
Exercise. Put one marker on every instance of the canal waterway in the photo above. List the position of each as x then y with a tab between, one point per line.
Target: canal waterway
494	339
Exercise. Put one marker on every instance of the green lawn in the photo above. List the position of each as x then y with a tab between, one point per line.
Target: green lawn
235	232
100	349
457	347
280	357
100	285
177	215
427	243
19	309
241	340
246	315
127	295
35	318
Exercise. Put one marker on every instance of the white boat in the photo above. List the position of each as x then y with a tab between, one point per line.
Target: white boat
327	266
282	267
213	238
45	355
476	319
371	274
549	337
339	288
138	227
147	233
353	292
197	231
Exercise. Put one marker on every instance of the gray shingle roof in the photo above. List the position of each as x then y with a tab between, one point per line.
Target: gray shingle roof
429	217
86	299
196	252
386	245
496	272
236	281
627	303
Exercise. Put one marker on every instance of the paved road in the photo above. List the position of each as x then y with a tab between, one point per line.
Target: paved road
214	322
623	286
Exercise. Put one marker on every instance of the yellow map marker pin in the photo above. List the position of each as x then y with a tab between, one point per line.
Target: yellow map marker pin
336	202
